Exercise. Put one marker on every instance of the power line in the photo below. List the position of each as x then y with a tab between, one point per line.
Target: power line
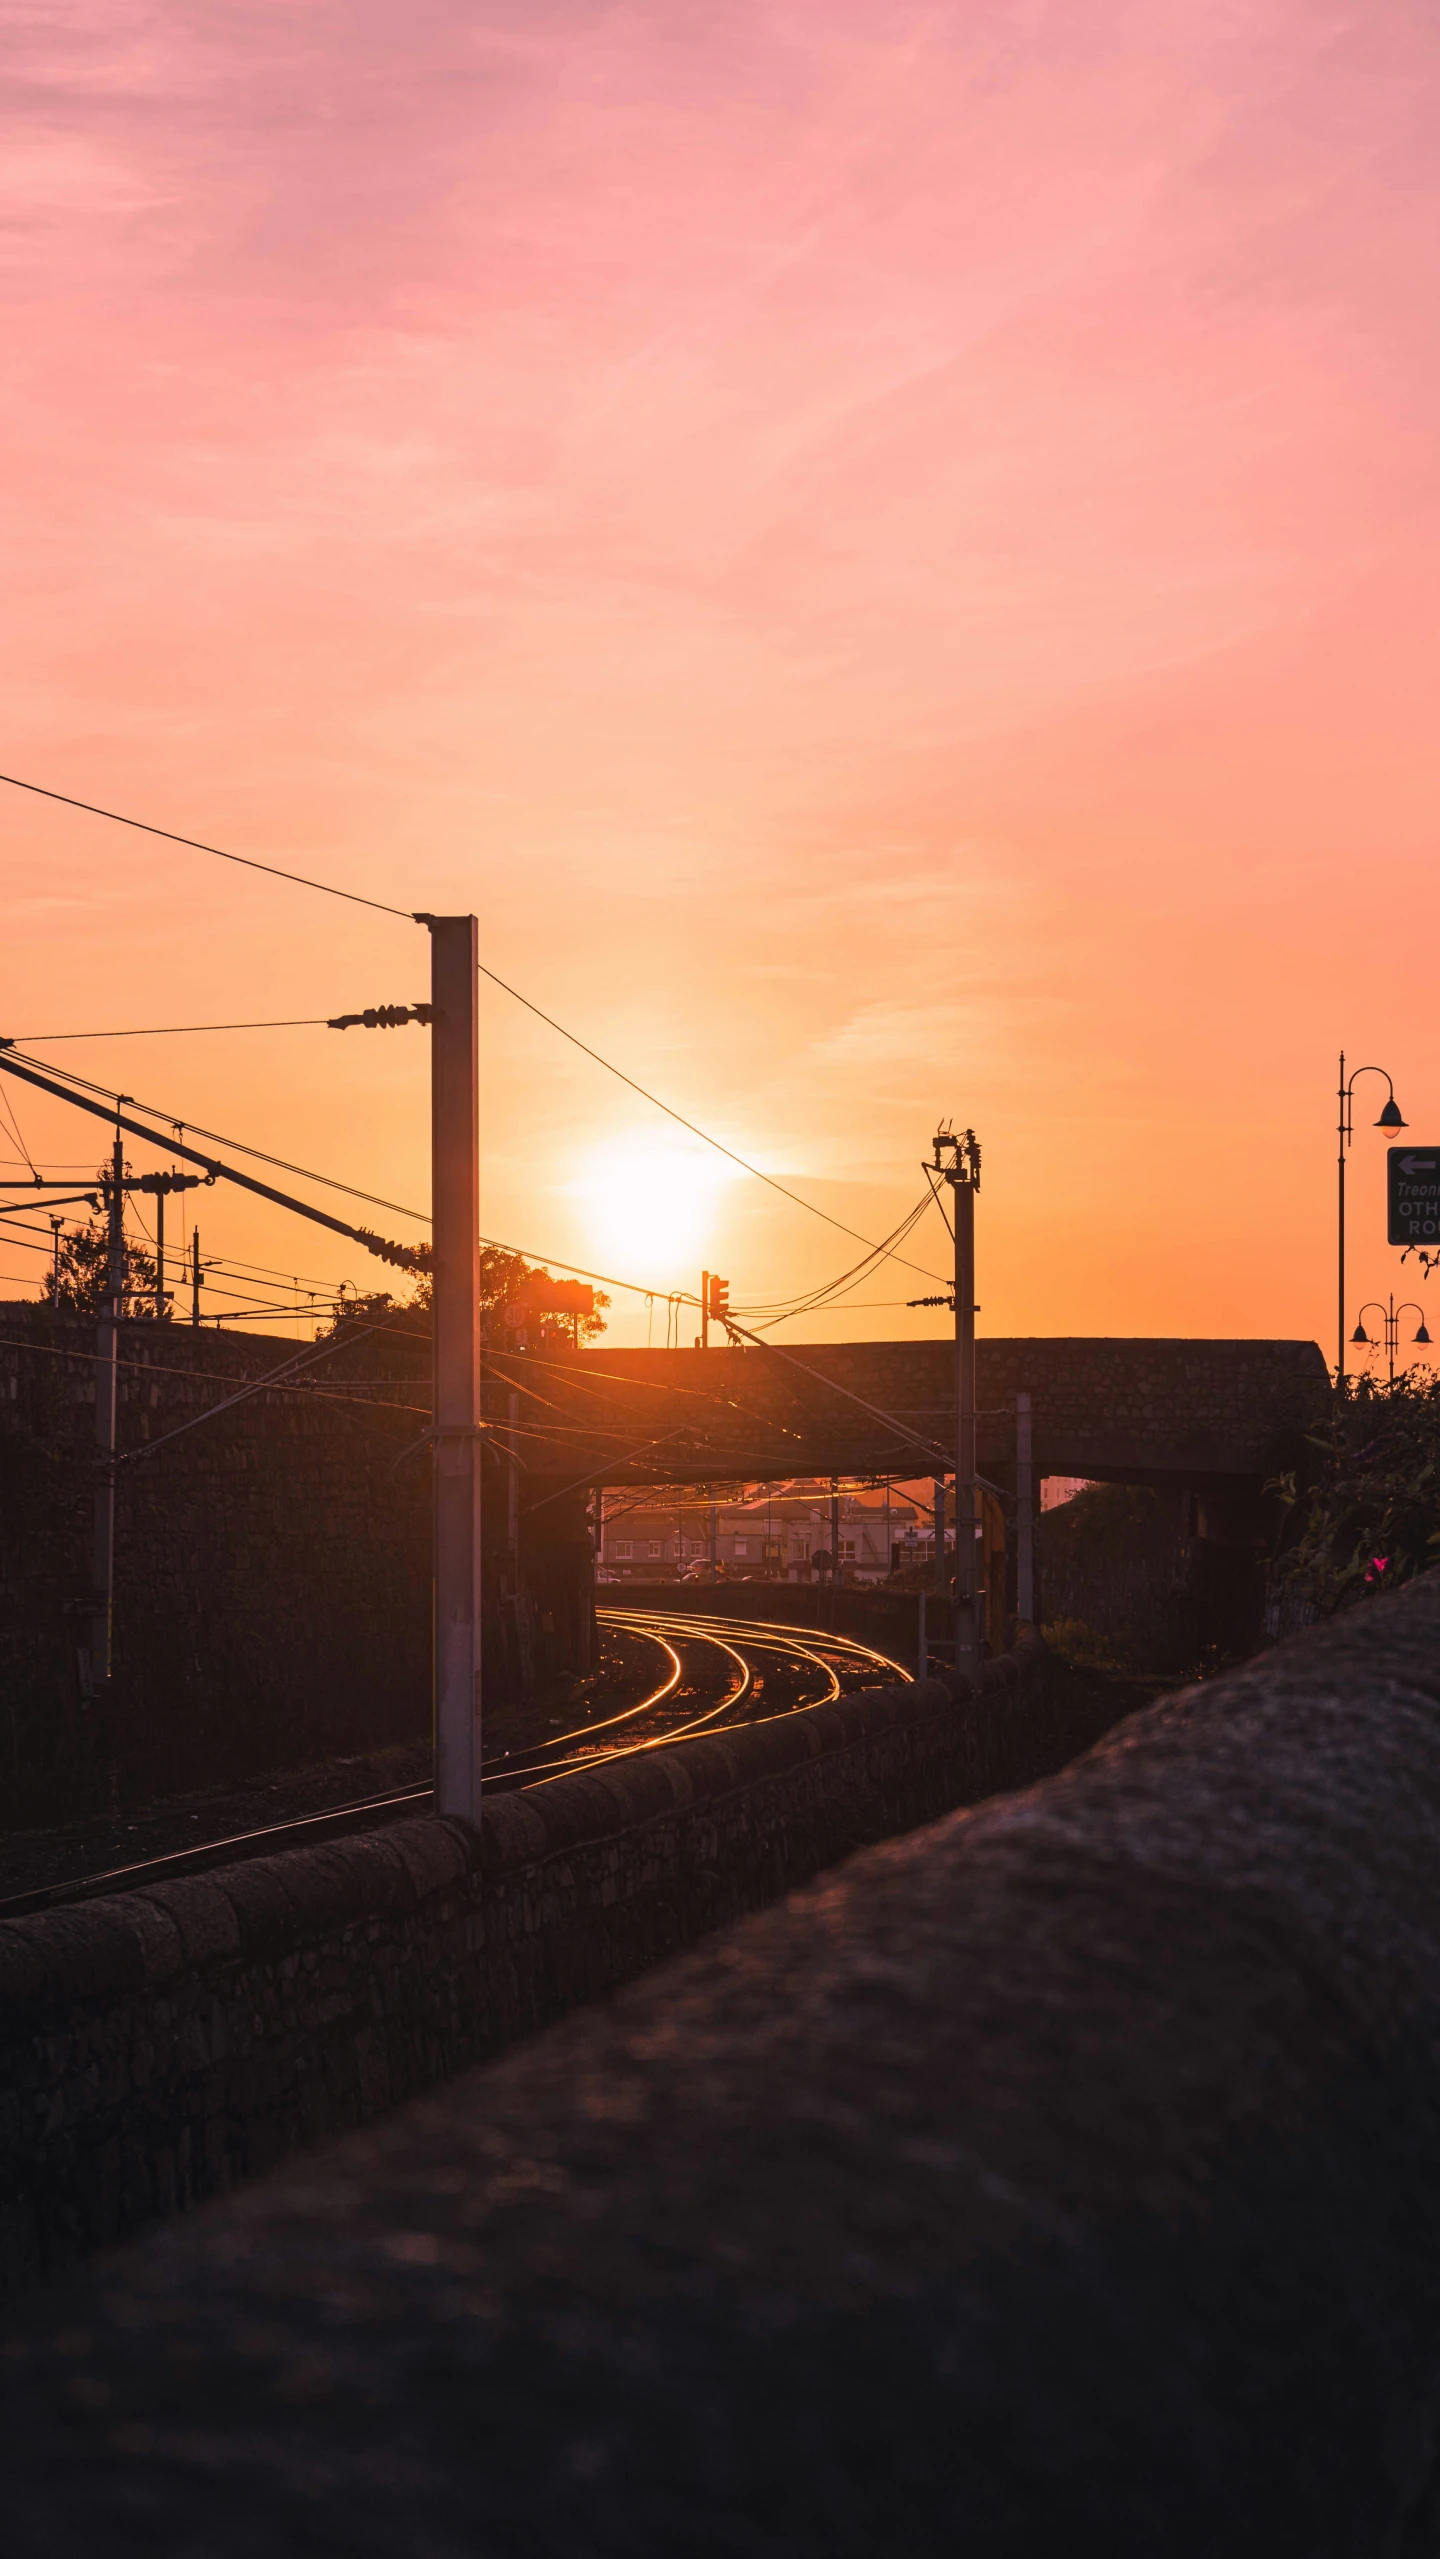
173	1121
298	880
27	1069
681	1121
809	1301
5	1103
175	1030
194	845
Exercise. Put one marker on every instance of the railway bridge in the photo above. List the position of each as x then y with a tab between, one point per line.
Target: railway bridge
1210	1420
1214	1416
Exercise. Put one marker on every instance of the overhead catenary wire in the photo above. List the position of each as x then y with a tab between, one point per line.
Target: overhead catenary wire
682	1122
8	1108
193	844
830	1292
178	1030
298	880
12	1064
175	1120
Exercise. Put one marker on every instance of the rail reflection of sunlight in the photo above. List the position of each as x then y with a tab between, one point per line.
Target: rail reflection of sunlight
650	1206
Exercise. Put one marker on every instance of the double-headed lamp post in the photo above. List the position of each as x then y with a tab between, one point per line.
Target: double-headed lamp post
1389	1118
1390	1315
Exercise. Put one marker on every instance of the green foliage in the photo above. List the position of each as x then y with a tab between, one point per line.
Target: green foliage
1084	1647
1364	1515
1100	1519
502	1276
85	1271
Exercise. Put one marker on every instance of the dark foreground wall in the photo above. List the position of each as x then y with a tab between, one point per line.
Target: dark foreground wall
272	1570
1061	2178
272	1576
159	2046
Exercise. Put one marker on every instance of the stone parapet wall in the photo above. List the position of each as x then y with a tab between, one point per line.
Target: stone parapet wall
1059	2179
159	2046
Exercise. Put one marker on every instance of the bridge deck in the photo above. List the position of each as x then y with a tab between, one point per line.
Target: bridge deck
1195	1412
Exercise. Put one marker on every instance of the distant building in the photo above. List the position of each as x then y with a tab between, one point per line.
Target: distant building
760	1535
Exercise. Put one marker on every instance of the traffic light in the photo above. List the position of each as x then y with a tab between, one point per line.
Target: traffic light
719	1304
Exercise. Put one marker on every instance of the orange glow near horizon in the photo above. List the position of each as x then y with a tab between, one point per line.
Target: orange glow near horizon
887	554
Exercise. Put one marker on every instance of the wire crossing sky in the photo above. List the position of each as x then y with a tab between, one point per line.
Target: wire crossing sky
888	554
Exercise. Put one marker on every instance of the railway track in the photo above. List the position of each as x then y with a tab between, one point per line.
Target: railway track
711	1672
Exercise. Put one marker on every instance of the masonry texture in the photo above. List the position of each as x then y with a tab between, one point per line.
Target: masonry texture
1058	2179
158	2046
272	1565
272	1573
1192	1412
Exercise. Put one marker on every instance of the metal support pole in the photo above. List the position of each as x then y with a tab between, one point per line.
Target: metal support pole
106	1416
159	1255
704	1310
195	1277
512	1494
714	1536
455	1210
967	1649
1024	1512
937	1502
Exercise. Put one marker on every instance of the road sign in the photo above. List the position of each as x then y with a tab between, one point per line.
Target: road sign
1413	1192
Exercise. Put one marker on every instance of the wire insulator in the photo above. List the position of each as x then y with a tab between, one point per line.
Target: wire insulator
382	1017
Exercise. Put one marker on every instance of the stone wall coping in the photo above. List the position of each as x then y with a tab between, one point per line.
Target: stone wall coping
55	1961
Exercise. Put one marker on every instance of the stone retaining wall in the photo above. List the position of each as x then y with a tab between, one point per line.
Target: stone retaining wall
162	2045
1058	2179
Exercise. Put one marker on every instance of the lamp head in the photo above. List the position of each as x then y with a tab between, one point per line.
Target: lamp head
1359	1334
1390	1116
1422	1335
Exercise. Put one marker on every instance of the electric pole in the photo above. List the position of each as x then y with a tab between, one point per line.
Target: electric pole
107	1334
455	1210
957	1160
195	1277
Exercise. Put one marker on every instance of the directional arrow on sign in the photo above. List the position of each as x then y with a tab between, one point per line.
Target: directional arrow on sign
1412	1185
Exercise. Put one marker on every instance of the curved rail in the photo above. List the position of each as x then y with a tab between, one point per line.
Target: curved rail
566	1753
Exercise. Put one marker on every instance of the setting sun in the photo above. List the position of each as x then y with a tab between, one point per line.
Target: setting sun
649	1208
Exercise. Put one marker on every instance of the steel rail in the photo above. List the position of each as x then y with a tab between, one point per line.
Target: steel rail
581	1760
753	1626
501	1774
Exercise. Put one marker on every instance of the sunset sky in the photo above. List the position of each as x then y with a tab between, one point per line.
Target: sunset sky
889	554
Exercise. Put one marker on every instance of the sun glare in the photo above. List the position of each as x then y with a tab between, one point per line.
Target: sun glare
650	1209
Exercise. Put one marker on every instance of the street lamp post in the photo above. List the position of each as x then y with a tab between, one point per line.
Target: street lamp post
1390	1315
1389	1118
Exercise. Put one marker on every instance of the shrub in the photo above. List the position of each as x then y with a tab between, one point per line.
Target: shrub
1365	1515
